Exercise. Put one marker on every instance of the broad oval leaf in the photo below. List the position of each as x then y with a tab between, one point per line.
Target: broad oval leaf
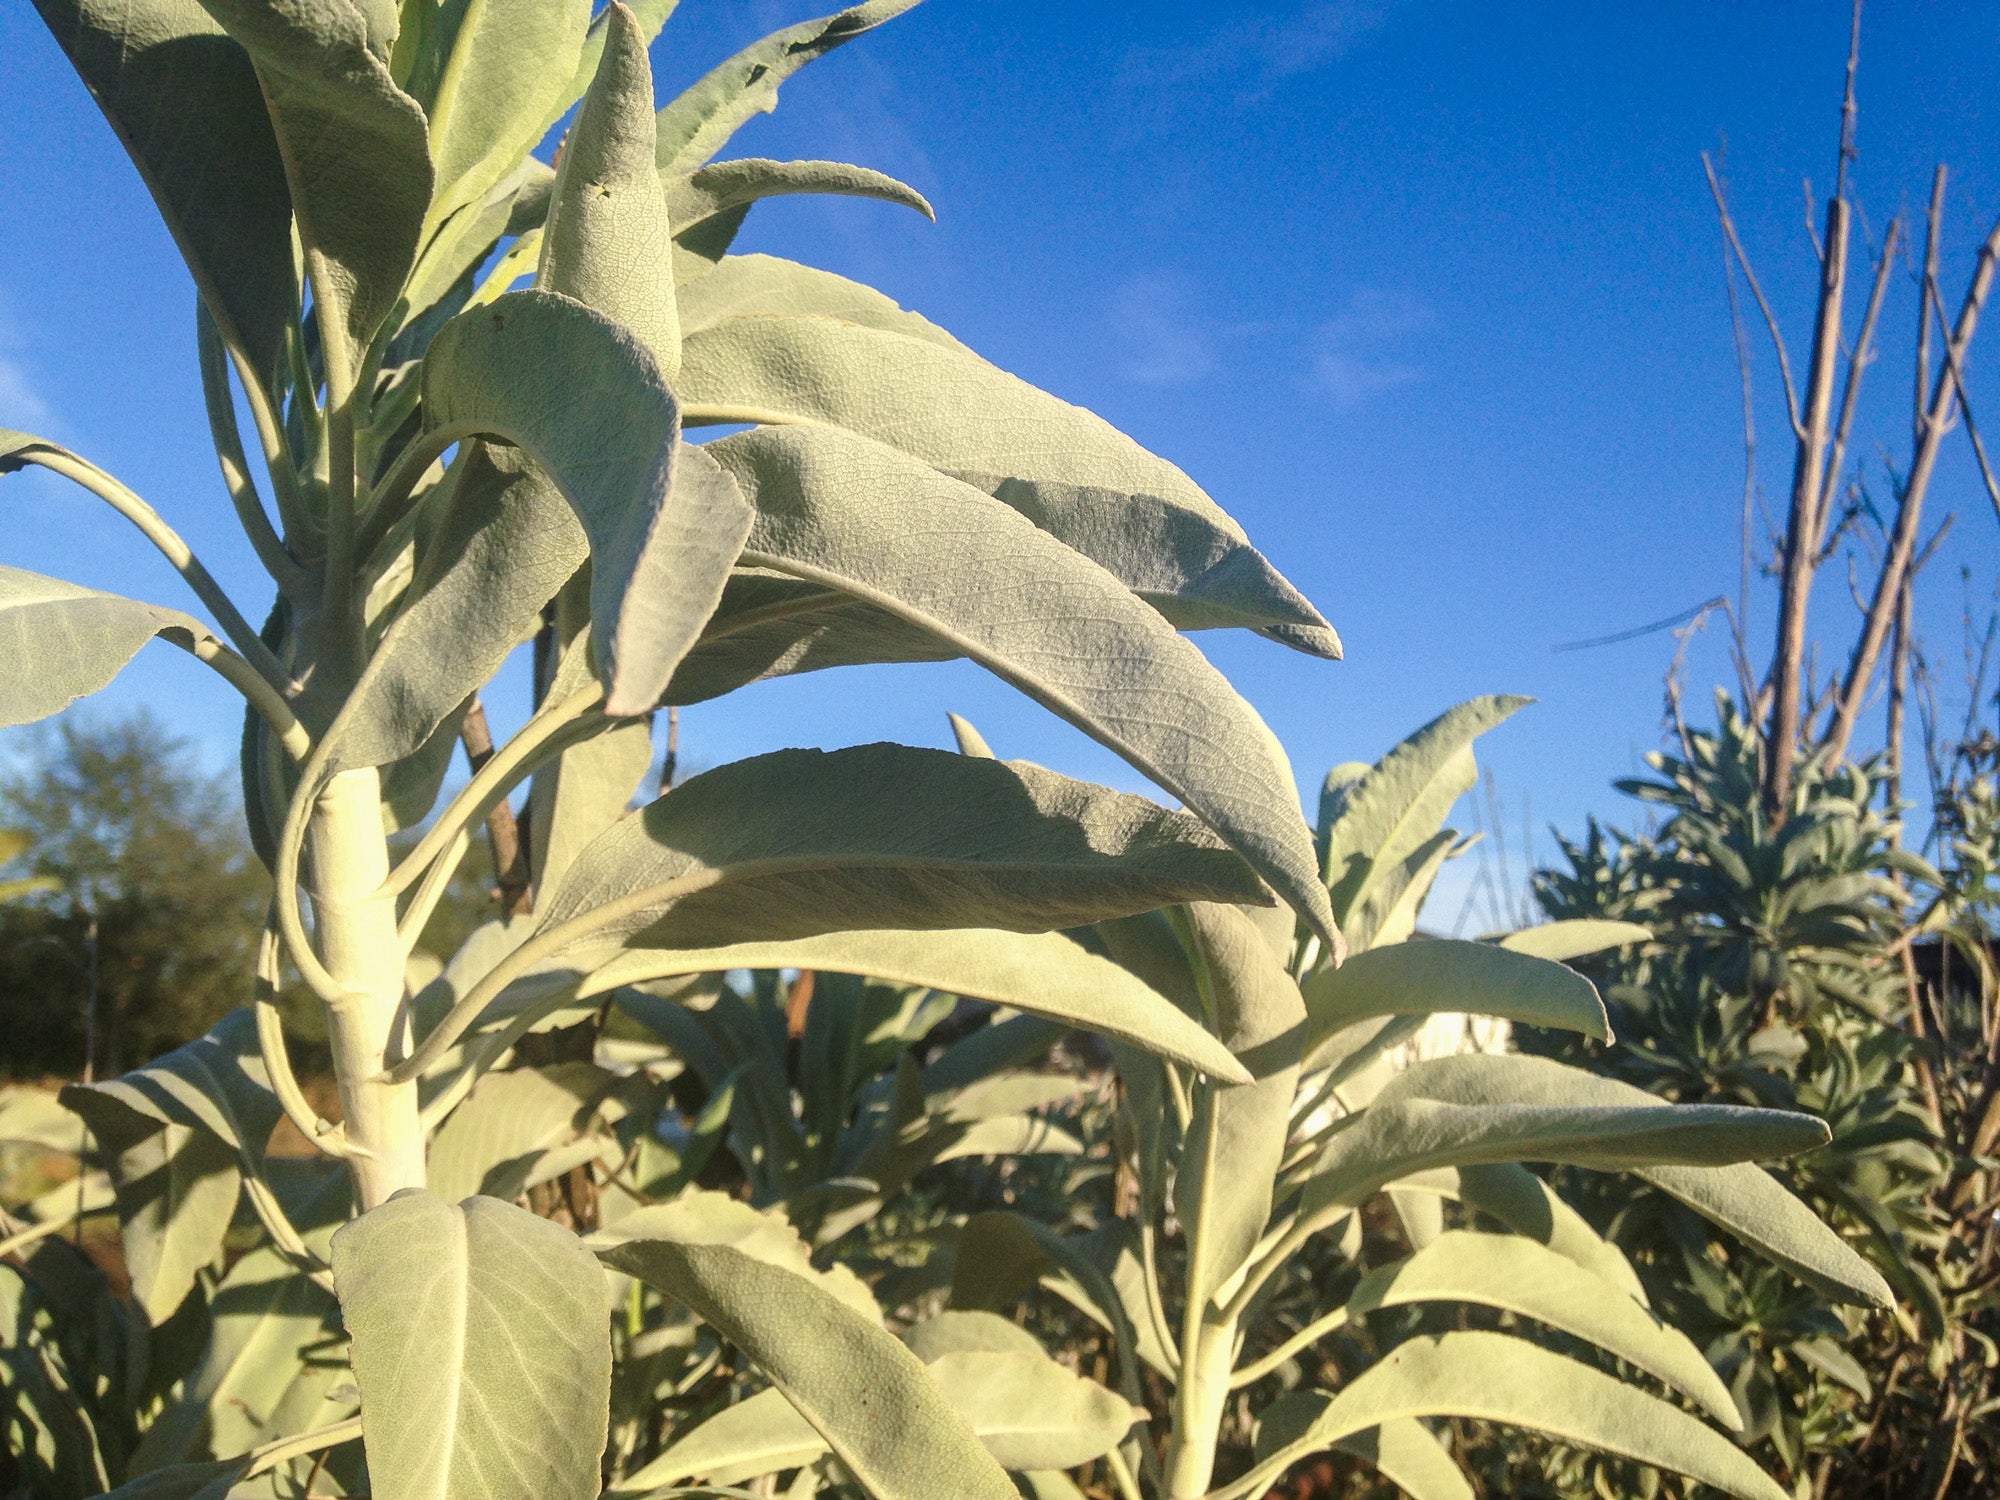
587	401
1516	1274
77	638
481	1348
753	284
494	1142
846	514
802	842
183	99
1043	974
1069	471
1427	977
867	1395
1495	1378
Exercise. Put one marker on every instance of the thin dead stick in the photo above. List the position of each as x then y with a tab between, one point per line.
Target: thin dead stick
1965	410
1756	291
1927	294
503	830
1862	357
1932	428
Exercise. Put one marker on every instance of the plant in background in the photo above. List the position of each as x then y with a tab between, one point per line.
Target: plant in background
1774	977
453	464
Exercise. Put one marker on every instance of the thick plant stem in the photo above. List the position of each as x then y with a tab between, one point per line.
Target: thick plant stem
356	919
1198	1406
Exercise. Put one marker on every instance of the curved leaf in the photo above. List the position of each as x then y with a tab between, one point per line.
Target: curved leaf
734	184
588	403
77	638
1575	938
802	842
481	1349
1426	977
1752	1206
184	102
1403	1452
1494	1378
1071	472
487	76
748	1277
699	122
1452	1111
355	149
1368	825
1041	973
1520	1276
608	242
844	513
743	285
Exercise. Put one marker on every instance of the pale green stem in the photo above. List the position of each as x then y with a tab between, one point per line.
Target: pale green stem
1208	1342
701	414
1312	1333
1122	1476
551	942
1156	1304
356	922
430	891
512	761
271	1214
324	1135
247	680
169	544
228	443
268	1457
35	1233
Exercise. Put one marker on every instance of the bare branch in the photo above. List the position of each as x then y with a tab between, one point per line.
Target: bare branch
1933	223
503	831
1932	424
1756	291
1965	407
1862	357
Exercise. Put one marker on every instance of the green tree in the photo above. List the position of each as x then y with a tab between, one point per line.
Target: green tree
151	850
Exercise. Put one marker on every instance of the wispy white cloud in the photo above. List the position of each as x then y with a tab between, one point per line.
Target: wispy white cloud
1363	350
21	403
1166	337
1251	56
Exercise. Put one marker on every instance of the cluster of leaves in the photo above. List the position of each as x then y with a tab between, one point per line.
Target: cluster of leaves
566	1114
1783	971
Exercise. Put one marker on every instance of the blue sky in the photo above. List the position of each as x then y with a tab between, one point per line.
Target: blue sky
1428	295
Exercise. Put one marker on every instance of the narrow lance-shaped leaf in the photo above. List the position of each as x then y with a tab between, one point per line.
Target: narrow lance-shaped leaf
184	102
728	185
355	149
1403	1452
489	75
608	242
1371	824
697	124
1027	1410
1469	1109
748	1277
1741	1198
854	516
1516	1274
1424	978
1067	470
587	401
481	1349
803	842
1043	974
1576	938
1492	1377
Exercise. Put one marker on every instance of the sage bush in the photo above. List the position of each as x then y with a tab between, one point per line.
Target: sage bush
469	377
